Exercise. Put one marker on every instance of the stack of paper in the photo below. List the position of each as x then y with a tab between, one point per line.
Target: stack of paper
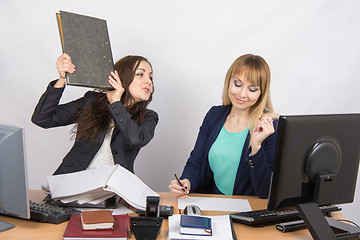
216	204
99	184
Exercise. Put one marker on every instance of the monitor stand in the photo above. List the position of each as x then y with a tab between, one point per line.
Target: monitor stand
322	227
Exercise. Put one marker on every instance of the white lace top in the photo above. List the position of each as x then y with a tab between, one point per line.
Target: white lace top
104	156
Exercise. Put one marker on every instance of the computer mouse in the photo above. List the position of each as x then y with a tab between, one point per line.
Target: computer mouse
192	210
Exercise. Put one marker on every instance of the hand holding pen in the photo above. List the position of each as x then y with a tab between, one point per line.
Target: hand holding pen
180	188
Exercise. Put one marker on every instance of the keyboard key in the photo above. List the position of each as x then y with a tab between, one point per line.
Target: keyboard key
265	217
49	213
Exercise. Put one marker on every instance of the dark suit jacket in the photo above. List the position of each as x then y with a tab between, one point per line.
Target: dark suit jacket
127	139
252	177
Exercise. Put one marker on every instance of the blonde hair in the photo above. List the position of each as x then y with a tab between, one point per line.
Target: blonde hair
255	70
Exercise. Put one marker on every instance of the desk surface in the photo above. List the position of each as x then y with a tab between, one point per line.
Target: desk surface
26	229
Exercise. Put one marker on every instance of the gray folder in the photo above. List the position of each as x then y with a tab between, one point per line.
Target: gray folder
86	40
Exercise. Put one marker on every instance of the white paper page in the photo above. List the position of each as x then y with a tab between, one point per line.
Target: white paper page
94	194
98	200
216	204
221	228
120	210
54	182
130	188
92	199
79	182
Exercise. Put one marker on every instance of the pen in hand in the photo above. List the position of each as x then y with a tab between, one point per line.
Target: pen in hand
177	179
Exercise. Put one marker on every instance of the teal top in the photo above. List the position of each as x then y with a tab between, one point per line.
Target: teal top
224	158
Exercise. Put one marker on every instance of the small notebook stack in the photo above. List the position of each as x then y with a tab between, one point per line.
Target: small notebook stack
101	219
195	225
74	229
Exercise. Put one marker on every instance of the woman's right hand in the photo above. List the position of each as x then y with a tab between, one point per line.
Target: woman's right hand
63	65
180	191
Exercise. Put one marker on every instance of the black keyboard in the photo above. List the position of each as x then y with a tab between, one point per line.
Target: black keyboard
49	213
265	217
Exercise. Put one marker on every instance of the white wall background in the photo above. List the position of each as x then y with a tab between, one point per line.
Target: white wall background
312	47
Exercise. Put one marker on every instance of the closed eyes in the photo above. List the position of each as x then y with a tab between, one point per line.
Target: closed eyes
238	83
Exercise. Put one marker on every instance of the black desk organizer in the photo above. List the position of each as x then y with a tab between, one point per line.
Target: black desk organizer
148	227
145	228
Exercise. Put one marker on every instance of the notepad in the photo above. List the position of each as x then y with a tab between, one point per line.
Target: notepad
195	225
100	219
216	204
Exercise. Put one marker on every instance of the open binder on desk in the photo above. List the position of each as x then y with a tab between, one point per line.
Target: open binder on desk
99	184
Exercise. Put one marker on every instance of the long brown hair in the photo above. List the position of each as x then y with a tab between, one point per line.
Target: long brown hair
95	118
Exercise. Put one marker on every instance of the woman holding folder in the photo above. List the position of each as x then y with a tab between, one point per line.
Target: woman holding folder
234	150
110	126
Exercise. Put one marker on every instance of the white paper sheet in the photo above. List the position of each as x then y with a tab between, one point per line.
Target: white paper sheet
85	197
221	228
70	184
130	188
121	209
216	204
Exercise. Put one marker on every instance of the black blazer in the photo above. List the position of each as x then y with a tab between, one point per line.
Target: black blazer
127	139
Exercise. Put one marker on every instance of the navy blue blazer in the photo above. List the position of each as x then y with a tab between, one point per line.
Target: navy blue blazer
127	139
254	172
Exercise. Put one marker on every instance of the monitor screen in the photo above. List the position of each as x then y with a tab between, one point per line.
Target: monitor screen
316	160
14	199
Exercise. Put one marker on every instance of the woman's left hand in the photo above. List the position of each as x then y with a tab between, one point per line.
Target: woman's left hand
262	130
115	82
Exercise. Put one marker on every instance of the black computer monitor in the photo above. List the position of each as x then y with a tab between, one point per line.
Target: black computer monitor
14	199
316	163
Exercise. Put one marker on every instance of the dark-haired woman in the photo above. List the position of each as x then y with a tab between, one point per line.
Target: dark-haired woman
110	127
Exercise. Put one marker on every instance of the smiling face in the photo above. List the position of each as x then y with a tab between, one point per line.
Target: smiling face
142	86
243	95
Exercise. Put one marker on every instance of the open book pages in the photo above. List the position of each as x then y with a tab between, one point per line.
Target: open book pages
91	185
